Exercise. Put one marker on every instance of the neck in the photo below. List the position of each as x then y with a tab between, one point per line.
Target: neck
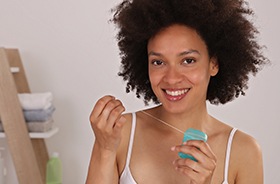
196	118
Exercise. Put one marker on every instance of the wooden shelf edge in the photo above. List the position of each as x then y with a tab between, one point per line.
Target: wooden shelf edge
38	135
14	69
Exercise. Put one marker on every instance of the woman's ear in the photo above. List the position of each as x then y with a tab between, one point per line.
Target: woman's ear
214	66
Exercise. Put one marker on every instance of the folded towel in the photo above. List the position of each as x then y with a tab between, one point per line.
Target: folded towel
36	126
38	115
40	126
35	101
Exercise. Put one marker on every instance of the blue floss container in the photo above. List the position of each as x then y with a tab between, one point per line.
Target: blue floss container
192	134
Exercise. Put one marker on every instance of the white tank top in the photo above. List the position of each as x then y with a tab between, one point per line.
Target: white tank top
126	176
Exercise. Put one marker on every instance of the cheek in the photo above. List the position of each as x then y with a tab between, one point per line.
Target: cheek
154	77
198	77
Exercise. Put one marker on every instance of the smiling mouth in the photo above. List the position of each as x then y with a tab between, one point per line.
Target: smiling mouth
176	93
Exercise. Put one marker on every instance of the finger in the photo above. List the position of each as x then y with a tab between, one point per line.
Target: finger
99	106
115	114
119	124
208	162
203	148
187	163
120	119
112	104
186	149
187	170
194	170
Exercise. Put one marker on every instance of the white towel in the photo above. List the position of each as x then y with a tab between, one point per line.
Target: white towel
35	101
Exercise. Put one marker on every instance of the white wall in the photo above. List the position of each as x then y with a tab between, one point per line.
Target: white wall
68	48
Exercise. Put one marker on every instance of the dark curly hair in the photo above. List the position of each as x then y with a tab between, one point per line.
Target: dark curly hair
223	24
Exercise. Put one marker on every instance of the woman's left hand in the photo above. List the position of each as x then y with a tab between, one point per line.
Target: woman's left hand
199	172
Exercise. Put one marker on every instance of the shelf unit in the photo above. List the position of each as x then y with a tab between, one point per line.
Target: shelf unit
37	135
28	150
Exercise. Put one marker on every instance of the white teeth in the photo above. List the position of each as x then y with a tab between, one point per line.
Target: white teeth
177	93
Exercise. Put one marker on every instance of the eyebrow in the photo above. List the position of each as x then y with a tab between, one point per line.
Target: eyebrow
180	54
189	52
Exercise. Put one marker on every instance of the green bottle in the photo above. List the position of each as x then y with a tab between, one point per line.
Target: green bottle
54	170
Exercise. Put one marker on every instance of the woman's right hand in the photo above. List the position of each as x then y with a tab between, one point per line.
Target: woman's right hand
107	121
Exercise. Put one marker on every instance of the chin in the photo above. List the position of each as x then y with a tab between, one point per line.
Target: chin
174	108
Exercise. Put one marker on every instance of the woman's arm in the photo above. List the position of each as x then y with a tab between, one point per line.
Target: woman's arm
107	122
102	167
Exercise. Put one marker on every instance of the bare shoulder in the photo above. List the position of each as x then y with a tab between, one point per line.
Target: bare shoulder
126	131
246	159
127	126
125	137
245	146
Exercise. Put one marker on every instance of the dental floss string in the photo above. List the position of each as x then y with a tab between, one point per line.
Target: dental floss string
163	122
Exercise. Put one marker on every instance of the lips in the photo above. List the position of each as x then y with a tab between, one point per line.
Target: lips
176	94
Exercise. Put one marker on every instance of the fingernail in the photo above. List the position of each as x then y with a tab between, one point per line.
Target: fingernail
173	148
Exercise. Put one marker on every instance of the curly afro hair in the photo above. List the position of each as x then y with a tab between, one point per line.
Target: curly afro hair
223	24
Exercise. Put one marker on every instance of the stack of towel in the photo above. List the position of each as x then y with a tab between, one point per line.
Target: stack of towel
37	110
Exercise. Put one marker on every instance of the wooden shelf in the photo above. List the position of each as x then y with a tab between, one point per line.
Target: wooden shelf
28	150
38	135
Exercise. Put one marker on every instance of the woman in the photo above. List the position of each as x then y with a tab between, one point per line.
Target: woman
178	54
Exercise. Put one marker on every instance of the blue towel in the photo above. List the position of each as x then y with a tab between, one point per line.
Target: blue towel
38	115
36	126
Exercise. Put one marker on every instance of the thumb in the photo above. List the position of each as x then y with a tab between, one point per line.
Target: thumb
120	123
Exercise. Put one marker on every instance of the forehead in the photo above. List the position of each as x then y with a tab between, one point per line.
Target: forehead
177	37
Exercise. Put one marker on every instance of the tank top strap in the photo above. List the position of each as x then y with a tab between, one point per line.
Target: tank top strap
131	139
228	151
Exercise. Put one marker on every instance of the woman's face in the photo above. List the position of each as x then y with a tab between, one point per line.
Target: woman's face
180	68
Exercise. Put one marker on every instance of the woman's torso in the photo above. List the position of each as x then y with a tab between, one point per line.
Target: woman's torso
151	156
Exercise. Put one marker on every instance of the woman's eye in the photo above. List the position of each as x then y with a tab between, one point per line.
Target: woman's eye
157	62
188	61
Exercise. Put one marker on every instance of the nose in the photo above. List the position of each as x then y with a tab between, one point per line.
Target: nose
173	75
